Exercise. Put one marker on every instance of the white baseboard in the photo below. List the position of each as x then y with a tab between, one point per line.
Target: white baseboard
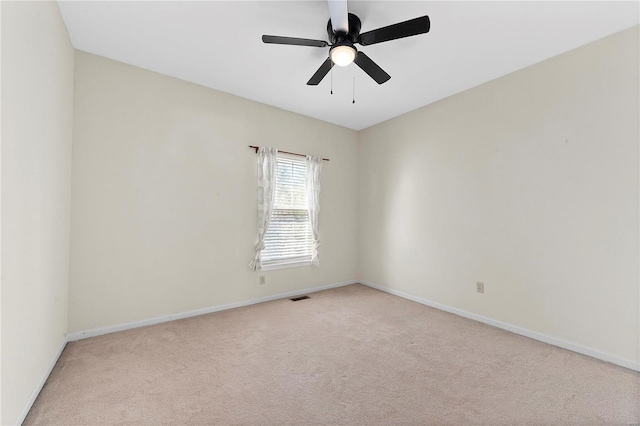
39	386
157	320
632	365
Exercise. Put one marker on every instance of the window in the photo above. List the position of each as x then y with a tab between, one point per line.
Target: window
289	238
288	210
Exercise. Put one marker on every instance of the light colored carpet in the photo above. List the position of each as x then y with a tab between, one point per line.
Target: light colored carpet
351	355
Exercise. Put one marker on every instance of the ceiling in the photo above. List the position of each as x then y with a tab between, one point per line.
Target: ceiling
218	44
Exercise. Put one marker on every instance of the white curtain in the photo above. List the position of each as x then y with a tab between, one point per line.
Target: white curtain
314	167
267	161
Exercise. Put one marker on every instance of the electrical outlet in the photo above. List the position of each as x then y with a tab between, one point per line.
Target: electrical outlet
263	281
479	287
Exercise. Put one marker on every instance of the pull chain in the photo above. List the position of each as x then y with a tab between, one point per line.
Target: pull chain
354	90
332	78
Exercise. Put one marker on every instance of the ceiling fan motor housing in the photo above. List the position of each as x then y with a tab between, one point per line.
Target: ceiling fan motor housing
335	37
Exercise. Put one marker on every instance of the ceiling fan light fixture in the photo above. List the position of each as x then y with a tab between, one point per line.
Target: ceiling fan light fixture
343	55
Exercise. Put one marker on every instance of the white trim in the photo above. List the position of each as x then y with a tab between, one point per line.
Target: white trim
40	385
71	337
613	359
276	266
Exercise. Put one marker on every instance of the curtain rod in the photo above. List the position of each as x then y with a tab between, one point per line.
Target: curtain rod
285	152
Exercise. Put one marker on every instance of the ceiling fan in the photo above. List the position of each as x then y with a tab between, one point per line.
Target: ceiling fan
344	31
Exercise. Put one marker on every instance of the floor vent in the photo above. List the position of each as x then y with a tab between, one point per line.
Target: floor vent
295	299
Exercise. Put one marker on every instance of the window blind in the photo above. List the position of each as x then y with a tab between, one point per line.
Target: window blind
289	239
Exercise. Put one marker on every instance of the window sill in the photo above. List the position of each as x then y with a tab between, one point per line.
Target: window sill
286	265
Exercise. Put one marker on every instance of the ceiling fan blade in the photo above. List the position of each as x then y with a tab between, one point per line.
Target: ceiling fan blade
322	71
339	15
371	68
293	41
409	28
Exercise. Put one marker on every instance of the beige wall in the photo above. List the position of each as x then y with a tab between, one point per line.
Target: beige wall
528	183
37	108
164	196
